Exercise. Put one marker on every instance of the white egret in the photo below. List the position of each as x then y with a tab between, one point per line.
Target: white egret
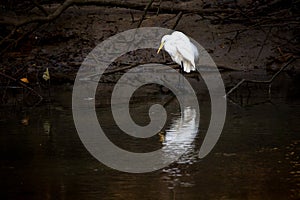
181	50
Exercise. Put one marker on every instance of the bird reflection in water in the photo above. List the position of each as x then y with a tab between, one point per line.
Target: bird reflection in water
179	139
180	135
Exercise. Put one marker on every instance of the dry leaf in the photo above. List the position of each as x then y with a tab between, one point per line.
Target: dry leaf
25	80
161	137
46	75
25	121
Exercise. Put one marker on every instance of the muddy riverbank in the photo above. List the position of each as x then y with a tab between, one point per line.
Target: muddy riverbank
61	46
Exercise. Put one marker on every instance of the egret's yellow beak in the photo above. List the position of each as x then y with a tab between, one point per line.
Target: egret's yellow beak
160	47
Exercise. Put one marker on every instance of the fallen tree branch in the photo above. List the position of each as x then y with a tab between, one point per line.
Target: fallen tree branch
15	42
21	22
261	81
24	86
172	65
120	4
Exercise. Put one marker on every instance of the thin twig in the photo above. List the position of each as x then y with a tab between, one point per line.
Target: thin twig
44	11
20	22
24	86
5	90
145	13
121	4
264	42
132	17
15	42
235	87
158	8
234	39
122	68
179	16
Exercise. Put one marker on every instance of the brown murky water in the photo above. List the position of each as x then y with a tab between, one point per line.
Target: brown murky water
257	156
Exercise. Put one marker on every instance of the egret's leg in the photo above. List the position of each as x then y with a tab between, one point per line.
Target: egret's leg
181	67
180	75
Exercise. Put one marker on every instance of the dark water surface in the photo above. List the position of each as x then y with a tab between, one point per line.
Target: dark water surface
256	157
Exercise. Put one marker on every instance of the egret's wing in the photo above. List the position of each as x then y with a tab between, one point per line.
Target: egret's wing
170	47
180	36
195	51
186	51
180	48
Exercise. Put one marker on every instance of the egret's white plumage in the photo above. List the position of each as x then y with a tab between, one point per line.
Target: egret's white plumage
181	50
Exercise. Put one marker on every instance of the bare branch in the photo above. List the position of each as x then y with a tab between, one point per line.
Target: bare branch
264	42
145	13
40	7
17	23
120	4
261	81
24	86
180	14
